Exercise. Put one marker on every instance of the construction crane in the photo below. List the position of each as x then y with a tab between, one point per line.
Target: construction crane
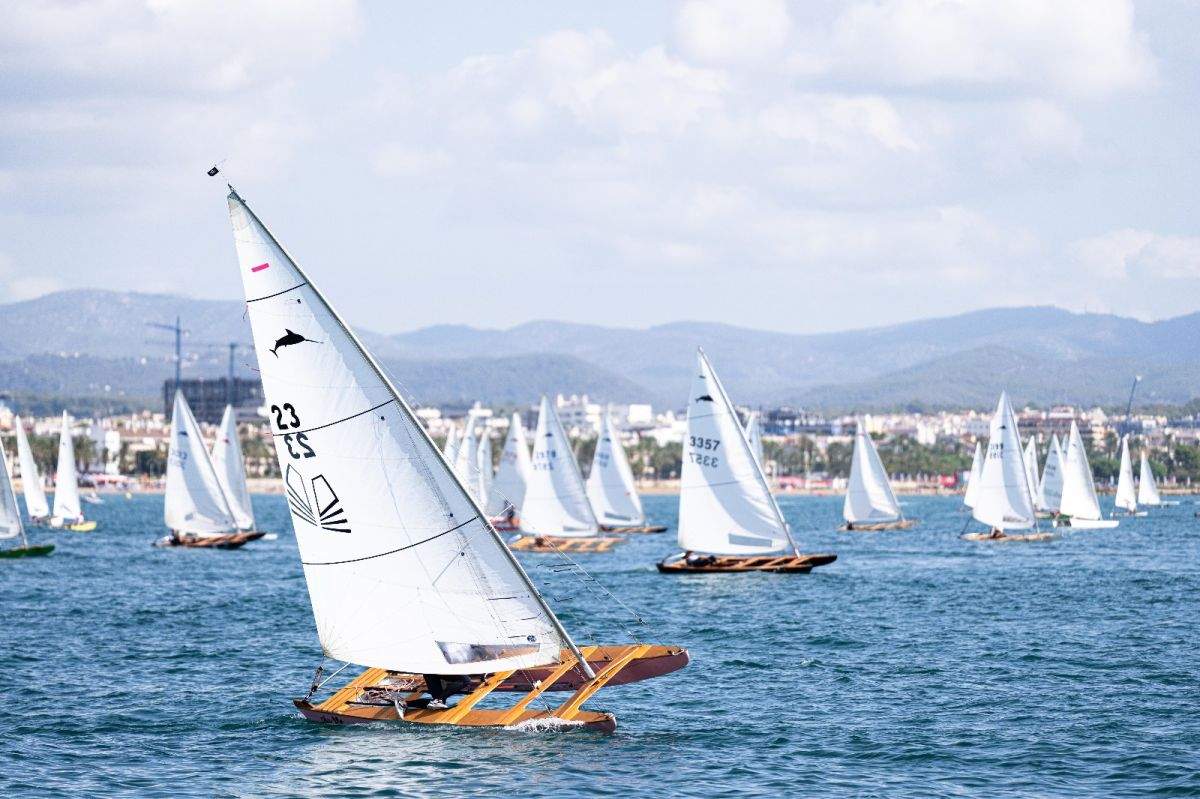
178	331
1127	426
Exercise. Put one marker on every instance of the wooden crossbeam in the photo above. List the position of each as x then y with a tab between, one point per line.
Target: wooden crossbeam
351	689
464	705
569	709
569	662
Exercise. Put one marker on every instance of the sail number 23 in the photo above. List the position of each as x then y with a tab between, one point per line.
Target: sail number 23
297	443
704	453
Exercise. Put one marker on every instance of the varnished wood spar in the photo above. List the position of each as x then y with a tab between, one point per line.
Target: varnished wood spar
785	564
645	528
550	543
1000	537
899	524
230	541
371	696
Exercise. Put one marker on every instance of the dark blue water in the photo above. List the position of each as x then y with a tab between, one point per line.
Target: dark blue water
916	665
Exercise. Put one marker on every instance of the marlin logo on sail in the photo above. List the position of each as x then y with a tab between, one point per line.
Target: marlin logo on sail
705	398
288	339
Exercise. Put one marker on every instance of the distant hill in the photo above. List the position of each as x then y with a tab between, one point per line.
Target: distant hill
1040	354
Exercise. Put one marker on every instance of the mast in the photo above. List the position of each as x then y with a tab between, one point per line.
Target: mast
404	407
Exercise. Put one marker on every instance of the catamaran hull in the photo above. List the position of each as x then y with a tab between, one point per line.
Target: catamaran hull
875	527
778	564
596	721
230	541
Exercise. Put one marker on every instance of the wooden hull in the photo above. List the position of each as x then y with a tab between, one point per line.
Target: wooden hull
231	541
645	528
27	552
780	564
550	543
1001	537
381	695
875	527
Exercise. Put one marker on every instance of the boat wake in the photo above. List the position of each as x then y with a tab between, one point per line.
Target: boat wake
551	724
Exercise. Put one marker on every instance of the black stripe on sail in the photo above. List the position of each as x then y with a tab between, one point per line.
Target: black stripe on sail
276	294
335	421
392	551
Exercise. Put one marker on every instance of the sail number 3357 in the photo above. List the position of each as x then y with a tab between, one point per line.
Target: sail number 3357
703	450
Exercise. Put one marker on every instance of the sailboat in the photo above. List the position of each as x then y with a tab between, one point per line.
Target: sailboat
31	482
10	517
973	476
1126	498
465	459
1080	507
754	436
407	578
1049	496
512	475
870	503
195	506
1148	489
450	449
728	519
483	468
1031	468
1003	498
610	486
556	514
68	511
230	468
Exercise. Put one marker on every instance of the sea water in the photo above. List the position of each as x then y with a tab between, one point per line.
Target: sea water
918	664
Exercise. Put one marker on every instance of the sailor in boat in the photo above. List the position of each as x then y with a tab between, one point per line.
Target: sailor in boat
692	559
441	687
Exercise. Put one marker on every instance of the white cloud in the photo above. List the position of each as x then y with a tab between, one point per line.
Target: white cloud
733	31
1130	254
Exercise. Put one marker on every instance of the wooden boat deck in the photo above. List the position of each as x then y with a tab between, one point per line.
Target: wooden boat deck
899	524
230	541
550	543
1009	537
645	528
783	564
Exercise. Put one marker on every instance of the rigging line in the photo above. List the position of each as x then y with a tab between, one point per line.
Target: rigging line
336	421
276	294
637	616
390	552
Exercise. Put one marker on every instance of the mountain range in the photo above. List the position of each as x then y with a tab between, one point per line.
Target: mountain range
75	343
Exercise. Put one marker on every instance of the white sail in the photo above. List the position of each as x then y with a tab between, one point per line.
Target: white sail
973	476
1004	499
1031	468
466	459
483	468
754	436
66	482
450	448
1147	488
1079	498
610	485
869	496
193	503
31	482
513	473
231	470
10	514
556	501
725	506
404	572
1126	498
1050	489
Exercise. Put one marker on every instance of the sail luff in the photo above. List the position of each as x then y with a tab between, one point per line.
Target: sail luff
1126	497
1147	487
66	481
31	481
434	477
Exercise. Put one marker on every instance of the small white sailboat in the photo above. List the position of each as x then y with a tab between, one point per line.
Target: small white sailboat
466	459
1004	495
1049	495
556	513
611	488
406	576
1148	495
450	448
754	436
31	481
728	519
870	503
10	517
230	467
973	476
1080	507
1126	498
196	508
1031	468
512	475
483	468
68	510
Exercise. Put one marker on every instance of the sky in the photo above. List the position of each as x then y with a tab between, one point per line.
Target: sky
799	167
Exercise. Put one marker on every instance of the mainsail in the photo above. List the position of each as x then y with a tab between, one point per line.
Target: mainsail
466	462
1079	491
513	473
556	501
725	506
31	482
10	514
483	469
403	569
610	485
1031	468
66	485
973	477
1126	494
450	449
754	436
1147	488
1050	489
231	470
869	496
1004	499
194	503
